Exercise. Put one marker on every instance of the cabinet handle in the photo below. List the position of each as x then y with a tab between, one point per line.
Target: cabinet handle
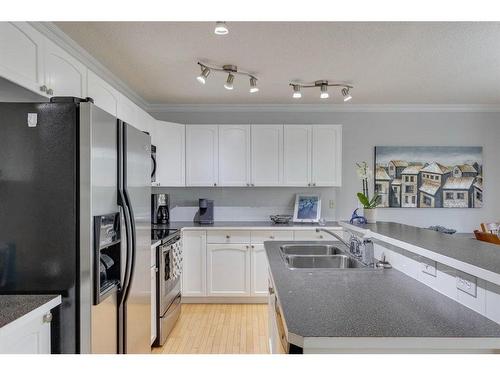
43	88
252	246
228	236
215	184
320	236
50	92
314	184
47	318
309	184
253	185
271	237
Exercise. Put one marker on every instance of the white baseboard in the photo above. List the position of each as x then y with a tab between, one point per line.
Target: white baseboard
246	300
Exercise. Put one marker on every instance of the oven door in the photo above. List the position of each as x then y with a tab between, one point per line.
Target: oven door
168	287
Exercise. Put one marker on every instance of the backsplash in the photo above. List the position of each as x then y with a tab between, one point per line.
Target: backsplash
243	204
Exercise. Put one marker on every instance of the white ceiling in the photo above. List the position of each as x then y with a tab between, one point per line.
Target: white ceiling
387	63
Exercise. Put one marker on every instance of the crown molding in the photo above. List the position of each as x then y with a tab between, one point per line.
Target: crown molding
172	108
51	31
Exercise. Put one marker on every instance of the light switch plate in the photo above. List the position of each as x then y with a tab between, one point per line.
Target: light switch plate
429	267
467	283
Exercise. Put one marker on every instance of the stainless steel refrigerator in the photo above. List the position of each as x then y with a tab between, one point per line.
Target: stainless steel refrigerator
75	220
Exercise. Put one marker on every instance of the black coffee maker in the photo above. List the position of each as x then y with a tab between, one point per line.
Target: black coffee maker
159	209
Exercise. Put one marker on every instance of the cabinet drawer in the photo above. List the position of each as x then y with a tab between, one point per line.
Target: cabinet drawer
259	236
312	235
228	236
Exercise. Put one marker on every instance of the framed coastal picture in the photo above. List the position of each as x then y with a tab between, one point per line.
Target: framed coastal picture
429	176
307	208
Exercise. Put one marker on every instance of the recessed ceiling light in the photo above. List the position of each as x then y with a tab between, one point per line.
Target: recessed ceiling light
229	82
296	92
324	91
346	94
253	85
205	71
221	28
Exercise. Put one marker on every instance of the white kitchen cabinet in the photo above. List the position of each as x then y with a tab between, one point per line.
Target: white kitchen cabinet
228	270
297	145
170	142
267	155
312	235
64	75
202	155
326	155
259	283
234	155
21	55
127	110
104	95
194	268
153	304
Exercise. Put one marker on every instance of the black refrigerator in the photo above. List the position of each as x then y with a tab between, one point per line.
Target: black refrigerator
75	221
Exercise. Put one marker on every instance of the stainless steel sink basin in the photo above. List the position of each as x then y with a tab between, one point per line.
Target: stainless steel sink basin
330	261
312	249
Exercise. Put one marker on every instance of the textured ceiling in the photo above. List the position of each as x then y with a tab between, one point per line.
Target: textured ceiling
388	63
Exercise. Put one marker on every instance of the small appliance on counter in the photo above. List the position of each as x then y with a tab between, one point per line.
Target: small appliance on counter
205	214
160	214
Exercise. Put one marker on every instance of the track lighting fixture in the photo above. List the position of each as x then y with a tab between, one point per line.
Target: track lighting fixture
253	85
323	85
296	92
231	71
229	82
221	28
345	93
205	71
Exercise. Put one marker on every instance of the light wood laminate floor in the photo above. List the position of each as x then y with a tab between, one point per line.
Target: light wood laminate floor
219	328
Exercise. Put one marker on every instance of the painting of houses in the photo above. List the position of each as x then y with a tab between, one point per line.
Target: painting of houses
429	176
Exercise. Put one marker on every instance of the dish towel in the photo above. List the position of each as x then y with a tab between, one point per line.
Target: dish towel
176	261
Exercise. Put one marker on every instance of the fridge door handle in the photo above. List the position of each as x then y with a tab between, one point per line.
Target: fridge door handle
132	249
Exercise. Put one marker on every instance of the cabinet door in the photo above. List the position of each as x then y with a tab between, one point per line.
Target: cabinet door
267	155
228	270
169	139
104	95
326	155
297	155
259	283
31	336
202	152
194	249
234	155
21	55
64	75
153	304
312	235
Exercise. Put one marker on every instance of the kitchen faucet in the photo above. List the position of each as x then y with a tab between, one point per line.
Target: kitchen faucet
358	248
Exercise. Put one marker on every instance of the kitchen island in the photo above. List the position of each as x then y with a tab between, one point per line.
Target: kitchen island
367	310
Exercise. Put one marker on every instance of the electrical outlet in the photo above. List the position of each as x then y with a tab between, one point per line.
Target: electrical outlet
429	267
331	204
467	283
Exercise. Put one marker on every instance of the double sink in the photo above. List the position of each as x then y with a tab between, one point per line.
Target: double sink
318	256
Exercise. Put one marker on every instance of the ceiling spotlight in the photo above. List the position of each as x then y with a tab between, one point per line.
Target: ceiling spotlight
221	28
205	71
229	82
296	92
324	91
253	85
347	96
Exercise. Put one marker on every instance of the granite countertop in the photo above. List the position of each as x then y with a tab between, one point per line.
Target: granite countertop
13	307
468	251
367	303
247	224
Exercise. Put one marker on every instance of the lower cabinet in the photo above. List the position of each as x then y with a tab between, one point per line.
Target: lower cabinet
228	270
259	284
194	268
32	336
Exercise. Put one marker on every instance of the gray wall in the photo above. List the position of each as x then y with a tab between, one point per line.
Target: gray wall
361	132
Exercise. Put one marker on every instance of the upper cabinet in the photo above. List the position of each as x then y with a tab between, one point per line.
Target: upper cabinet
64	75
297	155
104	95
21	55
169	139
267	155
202	155
326	155
234	155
